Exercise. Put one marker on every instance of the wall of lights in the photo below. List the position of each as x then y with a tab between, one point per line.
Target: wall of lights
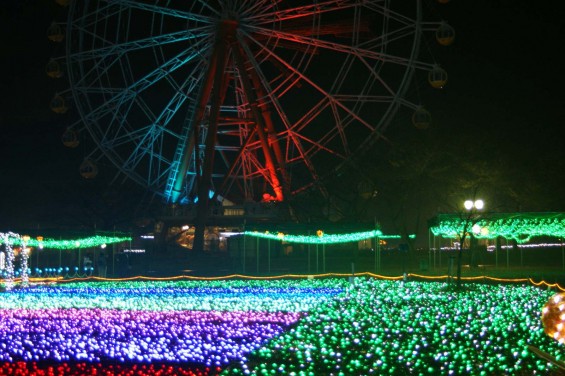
518	226
322	238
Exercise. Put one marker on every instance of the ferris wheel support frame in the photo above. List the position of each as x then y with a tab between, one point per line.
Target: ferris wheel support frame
227	42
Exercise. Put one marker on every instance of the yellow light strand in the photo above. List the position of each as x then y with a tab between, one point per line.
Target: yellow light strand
295	276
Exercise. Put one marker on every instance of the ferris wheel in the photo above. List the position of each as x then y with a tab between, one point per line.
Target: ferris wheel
244	100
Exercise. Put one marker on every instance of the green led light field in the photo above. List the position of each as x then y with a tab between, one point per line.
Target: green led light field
391	327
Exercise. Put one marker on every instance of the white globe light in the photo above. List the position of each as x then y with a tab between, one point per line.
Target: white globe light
479	204
468	204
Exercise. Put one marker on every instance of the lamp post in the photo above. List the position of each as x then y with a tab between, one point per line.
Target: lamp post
472	207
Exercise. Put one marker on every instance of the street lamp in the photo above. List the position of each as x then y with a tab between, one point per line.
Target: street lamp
472	207
477	204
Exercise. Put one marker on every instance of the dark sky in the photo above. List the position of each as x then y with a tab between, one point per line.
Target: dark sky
29	145
506	86
506	81
505	65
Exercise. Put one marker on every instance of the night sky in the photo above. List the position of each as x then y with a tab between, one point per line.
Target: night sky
505	86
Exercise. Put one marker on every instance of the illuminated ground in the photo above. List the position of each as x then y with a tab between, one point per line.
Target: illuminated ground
302	327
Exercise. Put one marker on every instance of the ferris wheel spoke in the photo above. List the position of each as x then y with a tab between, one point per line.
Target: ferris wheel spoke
260	6
160	124
167	11
119	119
143	137
241	7
77	125
259	169
376	77
270	93
283	63
106	108
130	92
264	90
333	46
297	131
153	134
329	99
283	117
205	4
305	11
340	129
132	136
103	65
388	13
90	75
156	162
315	110
363	98
123	48
346	68
237	163
381	41
316	146
312	83
373	73
95	154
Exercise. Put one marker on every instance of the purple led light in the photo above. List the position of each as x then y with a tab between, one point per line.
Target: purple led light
203	337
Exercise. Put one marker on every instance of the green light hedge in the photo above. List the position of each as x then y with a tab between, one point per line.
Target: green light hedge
89	242
322	238
518	226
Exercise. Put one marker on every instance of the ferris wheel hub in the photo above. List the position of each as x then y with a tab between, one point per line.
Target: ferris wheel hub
227	28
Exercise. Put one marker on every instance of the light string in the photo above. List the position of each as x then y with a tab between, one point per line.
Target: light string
322	238
296	277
